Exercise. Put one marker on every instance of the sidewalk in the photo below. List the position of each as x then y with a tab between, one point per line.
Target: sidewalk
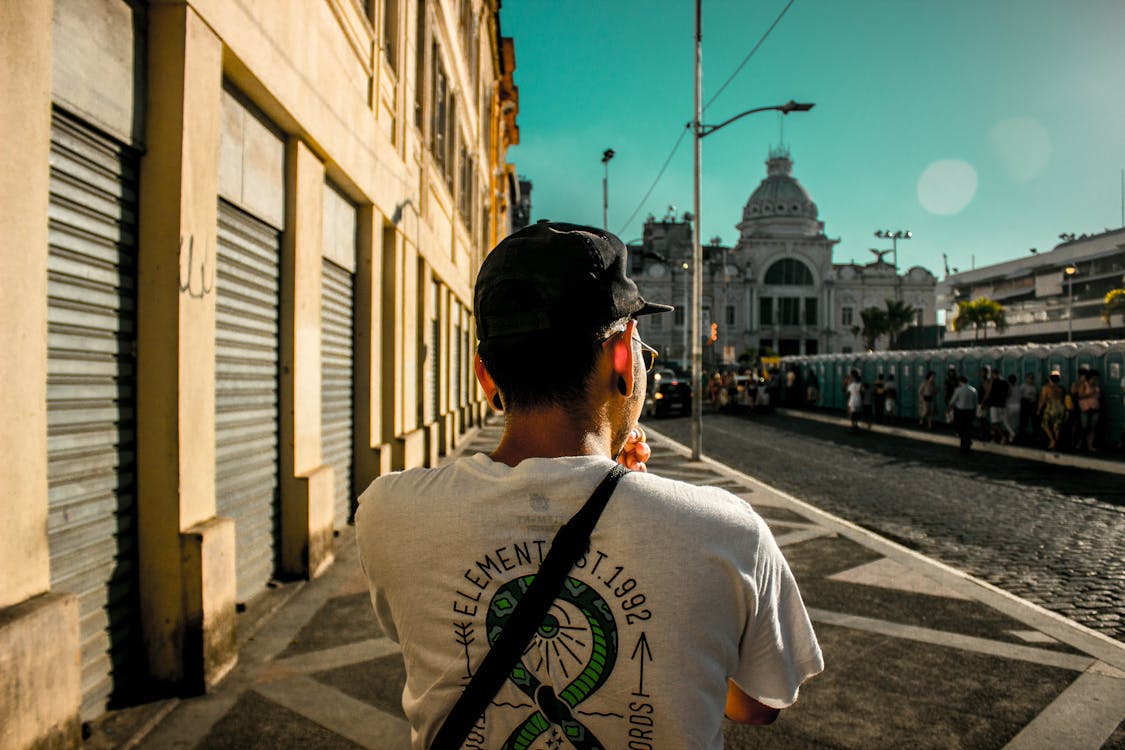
943	434
918	655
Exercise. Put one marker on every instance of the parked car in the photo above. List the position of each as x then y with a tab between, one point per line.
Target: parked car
668	393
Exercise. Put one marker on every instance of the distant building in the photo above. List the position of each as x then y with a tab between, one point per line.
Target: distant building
1035	295
521	203
777	288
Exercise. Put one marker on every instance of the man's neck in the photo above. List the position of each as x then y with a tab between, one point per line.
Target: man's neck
551	433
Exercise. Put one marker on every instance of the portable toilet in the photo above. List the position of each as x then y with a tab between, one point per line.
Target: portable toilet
1113	393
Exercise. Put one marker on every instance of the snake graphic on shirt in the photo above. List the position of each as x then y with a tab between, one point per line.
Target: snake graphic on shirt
577	640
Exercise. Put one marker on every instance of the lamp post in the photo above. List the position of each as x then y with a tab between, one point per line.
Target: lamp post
700	131
606	156
1068	274
894	237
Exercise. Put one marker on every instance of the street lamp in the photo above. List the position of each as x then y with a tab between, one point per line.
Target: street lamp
606	156
894	237
700	131
1068	275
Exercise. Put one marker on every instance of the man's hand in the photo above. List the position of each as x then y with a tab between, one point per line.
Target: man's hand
743	709
636	451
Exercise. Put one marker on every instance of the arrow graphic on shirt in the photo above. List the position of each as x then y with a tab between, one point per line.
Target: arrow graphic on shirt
642	652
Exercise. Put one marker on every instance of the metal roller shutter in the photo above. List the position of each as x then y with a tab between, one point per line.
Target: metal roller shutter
336	351
433	350
458	369
246	392
91	521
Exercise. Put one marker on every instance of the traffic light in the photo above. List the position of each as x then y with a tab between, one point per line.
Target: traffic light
714	331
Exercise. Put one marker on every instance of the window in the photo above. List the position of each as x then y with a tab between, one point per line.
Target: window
679	315
846	350
789	272
766	311
390	32
789	311
439	101
730	315
847	315
420	65
810	311
467	193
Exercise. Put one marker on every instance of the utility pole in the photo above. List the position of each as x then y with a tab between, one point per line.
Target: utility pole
697	249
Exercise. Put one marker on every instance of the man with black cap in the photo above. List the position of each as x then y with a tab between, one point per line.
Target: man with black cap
681	606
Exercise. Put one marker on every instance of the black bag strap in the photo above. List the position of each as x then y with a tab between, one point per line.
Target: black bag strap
571	541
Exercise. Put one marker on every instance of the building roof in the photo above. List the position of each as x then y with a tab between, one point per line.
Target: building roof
779	194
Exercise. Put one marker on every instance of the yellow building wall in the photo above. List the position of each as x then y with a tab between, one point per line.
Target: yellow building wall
316	70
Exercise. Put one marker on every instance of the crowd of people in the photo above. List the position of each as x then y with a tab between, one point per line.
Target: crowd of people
998	408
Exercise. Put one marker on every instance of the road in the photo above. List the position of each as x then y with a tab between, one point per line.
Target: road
1052	535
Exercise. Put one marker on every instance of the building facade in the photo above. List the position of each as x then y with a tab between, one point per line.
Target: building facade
777	289
242	239
1042	302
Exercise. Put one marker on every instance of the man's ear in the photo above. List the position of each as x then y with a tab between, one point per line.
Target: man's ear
491	392
621	360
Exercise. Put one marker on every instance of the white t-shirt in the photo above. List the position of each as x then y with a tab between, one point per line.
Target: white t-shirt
683	588
855	395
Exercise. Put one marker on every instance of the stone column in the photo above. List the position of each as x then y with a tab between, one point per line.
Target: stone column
372	453
187	555
306	481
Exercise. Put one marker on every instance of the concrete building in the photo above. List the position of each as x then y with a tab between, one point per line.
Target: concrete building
241	239
777	288
1036	295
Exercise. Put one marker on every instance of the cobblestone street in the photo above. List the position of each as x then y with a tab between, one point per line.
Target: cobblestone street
1050	534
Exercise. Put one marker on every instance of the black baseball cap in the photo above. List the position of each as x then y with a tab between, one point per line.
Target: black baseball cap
556	277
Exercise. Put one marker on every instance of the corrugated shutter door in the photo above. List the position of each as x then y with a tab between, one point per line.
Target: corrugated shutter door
91	522
434	350
455	380
337	382
246	392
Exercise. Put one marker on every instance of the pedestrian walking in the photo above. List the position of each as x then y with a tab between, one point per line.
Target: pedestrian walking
1052	409
879	397
812	389
963	404
1028	396
855	389
890	398
950	385
1090	406
1012	408
983	421
927	393
504	635
995	403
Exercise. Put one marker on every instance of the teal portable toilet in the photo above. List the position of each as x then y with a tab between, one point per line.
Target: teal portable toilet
1113	392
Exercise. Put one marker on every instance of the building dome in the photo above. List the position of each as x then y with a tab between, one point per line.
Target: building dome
781	199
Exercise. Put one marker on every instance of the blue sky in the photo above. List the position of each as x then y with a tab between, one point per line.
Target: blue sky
986	127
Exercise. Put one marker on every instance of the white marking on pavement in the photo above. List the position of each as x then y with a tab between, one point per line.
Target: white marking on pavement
889	574
1033	636
954	640
1082	716
340	656
339	713
803	535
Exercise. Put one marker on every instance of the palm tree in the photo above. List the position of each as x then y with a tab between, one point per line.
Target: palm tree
874	325
978	314
1114	303
900	316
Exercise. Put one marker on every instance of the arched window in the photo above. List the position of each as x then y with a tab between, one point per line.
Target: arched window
789	272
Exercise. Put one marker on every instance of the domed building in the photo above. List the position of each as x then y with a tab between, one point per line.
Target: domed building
777	288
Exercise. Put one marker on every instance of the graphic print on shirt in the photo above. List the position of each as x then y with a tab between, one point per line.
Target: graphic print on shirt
580	645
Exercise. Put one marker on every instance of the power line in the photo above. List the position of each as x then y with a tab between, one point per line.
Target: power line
708	104
751	54
652	187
